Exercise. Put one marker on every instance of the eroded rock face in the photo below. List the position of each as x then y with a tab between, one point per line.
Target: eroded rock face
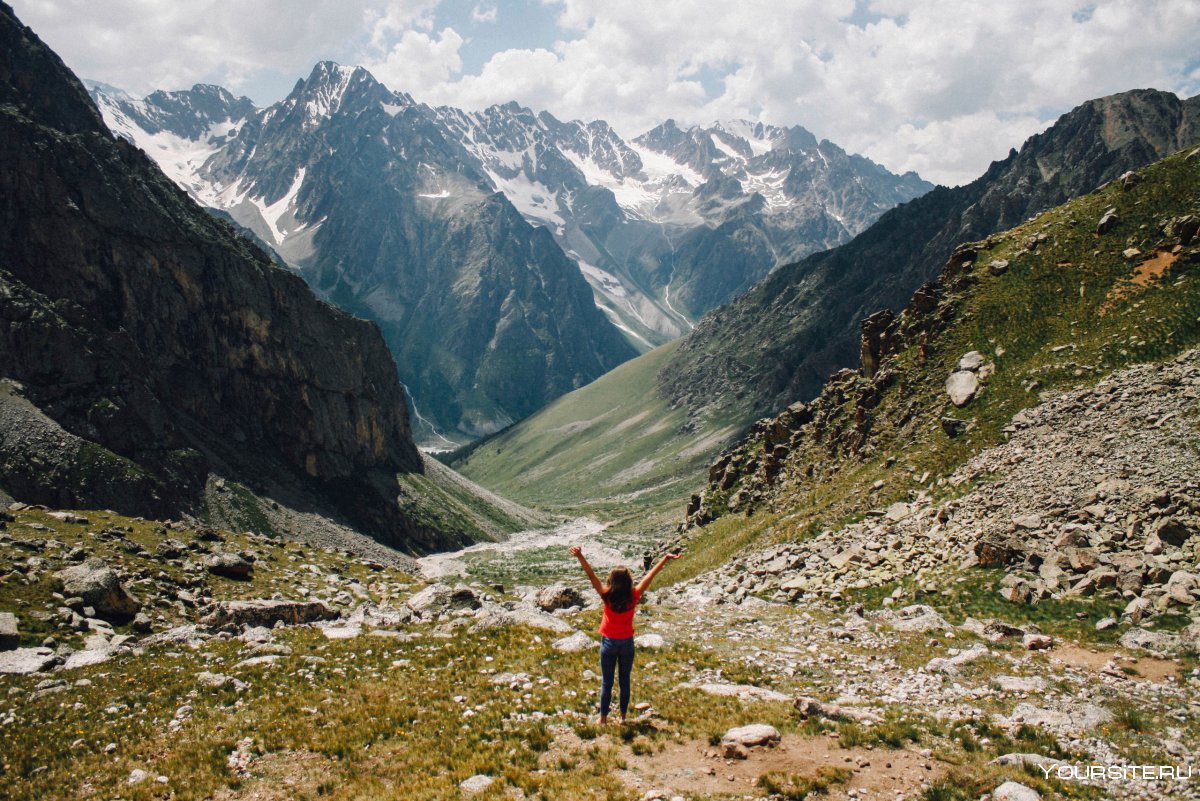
130	316
100	588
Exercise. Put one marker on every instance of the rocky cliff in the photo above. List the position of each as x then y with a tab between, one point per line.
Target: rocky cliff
144	345
812	308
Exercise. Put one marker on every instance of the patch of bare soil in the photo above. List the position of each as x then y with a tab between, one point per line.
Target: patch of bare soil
1140	668
693	769
280	776
1144	274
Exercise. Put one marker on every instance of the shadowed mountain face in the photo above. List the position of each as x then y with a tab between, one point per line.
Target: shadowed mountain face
782	339
144	345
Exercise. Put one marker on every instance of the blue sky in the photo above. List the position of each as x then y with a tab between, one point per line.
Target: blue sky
937	86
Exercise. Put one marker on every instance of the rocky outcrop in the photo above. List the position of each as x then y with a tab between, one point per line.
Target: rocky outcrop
811	308
249	614
147	344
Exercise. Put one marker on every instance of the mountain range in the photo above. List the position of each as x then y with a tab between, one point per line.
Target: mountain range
669	412
472	237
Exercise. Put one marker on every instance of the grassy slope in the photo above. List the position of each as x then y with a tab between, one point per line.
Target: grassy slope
1073	290
604	448
450	501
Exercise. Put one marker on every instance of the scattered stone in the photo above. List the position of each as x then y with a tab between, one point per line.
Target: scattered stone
218	681
917	617
998	266
650	641
1105	624
137	776
1020	684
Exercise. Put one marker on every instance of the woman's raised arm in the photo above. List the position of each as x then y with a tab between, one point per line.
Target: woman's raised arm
644	584
577	552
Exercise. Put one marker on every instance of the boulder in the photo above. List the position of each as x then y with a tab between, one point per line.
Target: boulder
1156	642
576	642
21	661
1172	531
736	740
100	588
440	599
559	596
476	784
10	638
745	692
917	617
493	616
998	266
262	612
1107	221
961	386
229	565
812	708
971	361
1015	791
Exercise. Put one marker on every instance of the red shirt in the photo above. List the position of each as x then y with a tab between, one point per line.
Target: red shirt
619	625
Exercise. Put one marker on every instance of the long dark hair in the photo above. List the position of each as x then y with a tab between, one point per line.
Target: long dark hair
619	592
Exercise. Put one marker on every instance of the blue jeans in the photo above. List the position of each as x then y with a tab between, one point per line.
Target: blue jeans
615	655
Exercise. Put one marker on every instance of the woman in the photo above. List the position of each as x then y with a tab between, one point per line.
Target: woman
620	599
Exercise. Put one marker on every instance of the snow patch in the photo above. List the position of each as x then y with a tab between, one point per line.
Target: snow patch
273	213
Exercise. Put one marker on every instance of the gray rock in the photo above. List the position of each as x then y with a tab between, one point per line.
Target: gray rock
917	617
21	661
10	637
476	784
1156	642
745	692
1107	221
100	588
1071	720
650	641
951	664
576	642
751	736
998	266
961	386
1024	760
559	596
495	616
1172	531
971	361
812	708
438	599
1015	791
229	565
263	612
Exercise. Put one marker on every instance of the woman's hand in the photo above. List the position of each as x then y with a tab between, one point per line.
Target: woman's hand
576	551
672	555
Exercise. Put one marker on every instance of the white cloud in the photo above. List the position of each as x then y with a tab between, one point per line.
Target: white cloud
419	60
939	86
142	45
482	13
